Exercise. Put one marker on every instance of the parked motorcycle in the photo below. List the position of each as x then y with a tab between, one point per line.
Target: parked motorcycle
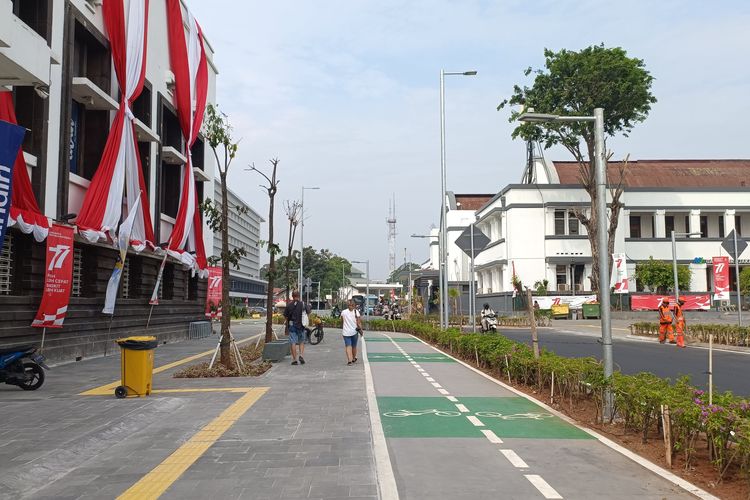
21	366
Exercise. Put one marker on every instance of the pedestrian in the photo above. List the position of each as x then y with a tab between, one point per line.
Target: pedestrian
293	314
679	319
665	322
351	324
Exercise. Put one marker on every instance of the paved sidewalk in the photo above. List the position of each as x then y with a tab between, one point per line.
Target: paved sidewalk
295	432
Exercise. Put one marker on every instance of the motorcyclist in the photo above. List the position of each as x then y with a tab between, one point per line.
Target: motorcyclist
486	313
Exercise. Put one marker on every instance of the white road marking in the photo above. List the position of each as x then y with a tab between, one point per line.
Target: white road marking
420	369
492	436
514	459
443	392
425	374
436	385
474	420
417	367
462	408
542	485
430	379
451	398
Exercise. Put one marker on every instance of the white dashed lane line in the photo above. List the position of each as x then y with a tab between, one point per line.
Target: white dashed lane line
514	459
491	436
452	399
462	408
474	420
543	487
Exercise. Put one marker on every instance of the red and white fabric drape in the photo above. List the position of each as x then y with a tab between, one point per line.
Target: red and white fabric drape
24	211
188	60
120	167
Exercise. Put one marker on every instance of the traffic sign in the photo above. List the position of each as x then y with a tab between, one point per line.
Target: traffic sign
728	244
308	281
480	241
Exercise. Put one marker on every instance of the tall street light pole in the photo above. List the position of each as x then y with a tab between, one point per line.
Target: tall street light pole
302	239
443	269
600	166
367	286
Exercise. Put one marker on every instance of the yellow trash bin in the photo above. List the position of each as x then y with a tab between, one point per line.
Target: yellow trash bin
137	366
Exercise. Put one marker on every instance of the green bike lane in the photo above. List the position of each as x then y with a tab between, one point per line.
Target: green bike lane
454	433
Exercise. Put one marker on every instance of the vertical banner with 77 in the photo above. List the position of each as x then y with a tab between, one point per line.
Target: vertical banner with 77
721	278
58	278
213	294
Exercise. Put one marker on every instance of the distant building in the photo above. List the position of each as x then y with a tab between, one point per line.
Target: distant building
244	232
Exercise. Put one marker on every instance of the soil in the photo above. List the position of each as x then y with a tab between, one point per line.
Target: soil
251	357
735	484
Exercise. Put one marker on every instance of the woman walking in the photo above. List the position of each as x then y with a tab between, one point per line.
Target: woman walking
351	326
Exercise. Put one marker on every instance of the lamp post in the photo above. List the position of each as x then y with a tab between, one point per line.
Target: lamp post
601	215
302	239
443	240
367	285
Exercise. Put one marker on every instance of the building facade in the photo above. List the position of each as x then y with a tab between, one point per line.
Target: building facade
56	60
244	232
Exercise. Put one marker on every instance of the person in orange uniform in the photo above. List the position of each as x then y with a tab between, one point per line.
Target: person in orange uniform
665	321
679	323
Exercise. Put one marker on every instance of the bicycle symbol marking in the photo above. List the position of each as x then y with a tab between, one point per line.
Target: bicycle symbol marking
451	413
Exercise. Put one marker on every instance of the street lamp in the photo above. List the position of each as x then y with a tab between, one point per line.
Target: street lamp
601	215
367	285
443	247
302	239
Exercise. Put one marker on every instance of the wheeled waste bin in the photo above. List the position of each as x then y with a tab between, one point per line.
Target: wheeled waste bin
137	366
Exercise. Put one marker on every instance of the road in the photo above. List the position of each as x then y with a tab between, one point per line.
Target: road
731	369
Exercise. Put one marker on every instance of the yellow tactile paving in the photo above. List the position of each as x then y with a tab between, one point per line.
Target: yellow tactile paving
156	482
106	390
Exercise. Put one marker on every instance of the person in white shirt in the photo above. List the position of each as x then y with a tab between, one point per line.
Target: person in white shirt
351	326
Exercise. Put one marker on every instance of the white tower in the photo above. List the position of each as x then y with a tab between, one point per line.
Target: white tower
391	221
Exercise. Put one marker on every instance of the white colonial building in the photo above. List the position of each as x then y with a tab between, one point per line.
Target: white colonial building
533	230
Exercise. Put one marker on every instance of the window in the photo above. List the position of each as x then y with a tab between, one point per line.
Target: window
566	223
687	223
572	223
35	14
170	189
704	226
635	226
559	222
721	226
167	291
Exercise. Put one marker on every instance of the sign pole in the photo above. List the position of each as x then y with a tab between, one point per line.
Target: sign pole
737	276
473	298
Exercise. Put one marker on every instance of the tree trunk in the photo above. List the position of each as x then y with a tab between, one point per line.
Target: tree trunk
226	308
272	262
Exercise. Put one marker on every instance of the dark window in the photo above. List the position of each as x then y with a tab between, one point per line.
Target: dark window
91	58
197	153
31	114
170	189
142	106
167	291
561	272
704	226
144	154
35	14
669	225
193	287
738	225
572	223
171	133
89	268
635	226
687	223
721	226
559	222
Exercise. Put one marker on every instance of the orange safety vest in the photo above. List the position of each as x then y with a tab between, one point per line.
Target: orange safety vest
678	313
664	316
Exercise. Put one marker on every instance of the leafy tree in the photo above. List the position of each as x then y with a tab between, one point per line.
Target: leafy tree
745	280
323	266
658	275
273	248
574	83
541	286
218	134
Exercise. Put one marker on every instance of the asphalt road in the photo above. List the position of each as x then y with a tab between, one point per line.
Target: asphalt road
731	369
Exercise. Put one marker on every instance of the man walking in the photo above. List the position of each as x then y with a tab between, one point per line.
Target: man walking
665	321
293	314
351	325
679	322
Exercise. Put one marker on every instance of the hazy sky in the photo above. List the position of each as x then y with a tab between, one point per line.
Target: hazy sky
345	94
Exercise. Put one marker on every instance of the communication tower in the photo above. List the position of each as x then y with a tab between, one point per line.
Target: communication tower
391	221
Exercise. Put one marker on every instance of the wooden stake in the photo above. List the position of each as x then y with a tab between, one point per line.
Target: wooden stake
667	428
552	390
507	367
476	353
532	321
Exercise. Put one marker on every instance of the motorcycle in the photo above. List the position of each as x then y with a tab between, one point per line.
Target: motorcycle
21	366
491	319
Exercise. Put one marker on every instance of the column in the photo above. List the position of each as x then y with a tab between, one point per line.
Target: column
729	220
626	218
480	282
660	225
695	223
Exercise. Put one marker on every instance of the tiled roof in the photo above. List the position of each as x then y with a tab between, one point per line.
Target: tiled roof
669	173
472	201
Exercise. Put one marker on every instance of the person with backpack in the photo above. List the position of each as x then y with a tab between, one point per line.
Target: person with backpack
296	313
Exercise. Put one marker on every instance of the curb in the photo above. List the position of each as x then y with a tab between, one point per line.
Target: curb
647	464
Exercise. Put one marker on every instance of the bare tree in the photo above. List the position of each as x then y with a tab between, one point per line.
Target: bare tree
273	248
293	210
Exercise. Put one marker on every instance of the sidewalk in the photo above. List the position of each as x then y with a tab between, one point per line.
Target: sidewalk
295	432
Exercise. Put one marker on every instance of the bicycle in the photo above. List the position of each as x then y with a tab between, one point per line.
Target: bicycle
315	335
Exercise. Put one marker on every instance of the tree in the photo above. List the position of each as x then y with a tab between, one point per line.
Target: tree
293	211
574	83
658	275
323	266
273	248
745	280
218	134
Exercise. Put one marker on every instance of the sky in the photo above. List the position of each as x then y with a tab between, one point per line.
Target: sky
345	93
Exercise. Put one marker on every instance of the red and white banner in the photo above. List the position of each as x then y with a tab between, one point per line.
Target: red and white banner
721	278
58	279
619	274
651	302
213	295
574	301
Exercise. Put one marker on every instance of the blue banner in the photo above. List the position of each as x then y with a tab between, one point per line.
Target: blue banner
11	137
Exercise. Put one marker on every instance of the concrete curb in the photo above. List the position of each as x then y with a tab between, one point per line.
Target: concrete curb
656	469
